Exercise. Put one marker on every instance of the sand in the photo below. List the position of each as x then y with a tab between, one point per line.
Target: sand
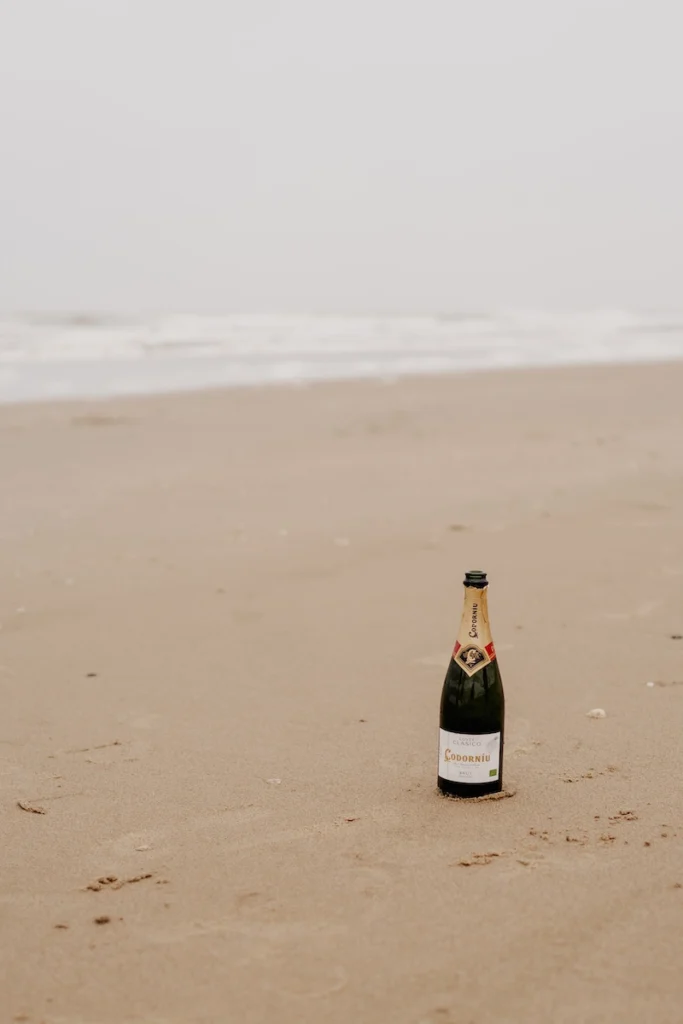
225	622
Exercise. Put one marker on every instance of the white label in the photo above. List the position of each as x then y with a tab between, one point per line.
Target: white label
464	757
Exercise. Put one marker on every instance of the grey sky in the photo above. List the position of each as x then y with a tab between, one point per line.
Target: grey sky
340	155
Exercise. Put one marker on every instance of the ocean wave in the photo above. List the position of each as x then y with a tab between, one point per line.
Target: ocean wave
76	355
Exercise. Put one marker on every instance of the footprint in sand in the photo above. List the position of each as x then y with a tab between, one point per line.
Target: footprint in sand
368	886
136	844
505	862
373	885
564	850
117	753
292	959
114	752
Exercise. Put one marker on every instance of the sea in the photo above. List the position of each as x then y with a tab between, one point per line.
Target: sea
91	356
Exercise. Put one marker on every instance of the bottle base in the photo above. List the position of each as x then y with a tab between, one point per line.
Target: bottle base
468	790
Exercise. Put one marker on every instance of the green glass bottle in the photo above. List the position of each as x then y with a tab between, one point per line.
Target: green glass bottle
472	720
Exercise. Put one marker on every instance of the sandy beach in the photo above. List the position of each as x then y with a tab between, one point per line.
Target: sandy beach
225	622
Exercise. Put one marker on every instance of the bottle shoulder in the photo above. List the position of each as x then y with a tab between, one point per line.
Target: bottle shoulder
473	704
485	680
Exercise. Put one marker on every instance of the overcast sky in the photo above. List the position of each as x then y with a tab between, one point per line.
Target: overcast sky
340	155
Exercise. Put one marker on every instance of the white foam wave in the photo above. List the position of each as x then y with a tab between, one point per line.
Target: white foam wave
43	357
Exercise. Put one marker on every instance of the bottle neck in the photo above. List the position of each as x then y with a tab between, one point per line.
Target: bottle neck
474	647
474	625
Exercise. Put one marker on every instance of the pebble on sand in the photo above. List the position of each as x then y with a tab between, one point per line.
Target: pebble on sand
596	713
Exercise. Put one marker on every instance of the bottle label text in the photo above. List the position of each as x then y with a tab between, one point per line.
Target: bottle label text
469	758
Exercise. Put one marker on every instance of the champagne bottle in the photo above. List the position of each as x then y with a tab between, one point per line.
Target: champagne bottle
472	704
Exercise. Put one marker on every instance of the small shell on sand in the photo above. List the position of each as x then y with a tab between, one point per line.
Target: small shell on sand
596	713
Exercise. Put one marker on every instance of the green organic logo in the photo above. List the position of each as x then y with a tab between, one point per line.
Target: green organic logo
493	773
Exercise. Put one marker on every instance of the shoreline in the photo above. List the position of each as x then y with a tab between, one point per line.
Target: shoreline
377	380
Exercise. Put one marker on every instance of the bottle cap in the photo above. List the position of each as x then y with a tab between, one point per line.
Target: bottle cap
476	578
